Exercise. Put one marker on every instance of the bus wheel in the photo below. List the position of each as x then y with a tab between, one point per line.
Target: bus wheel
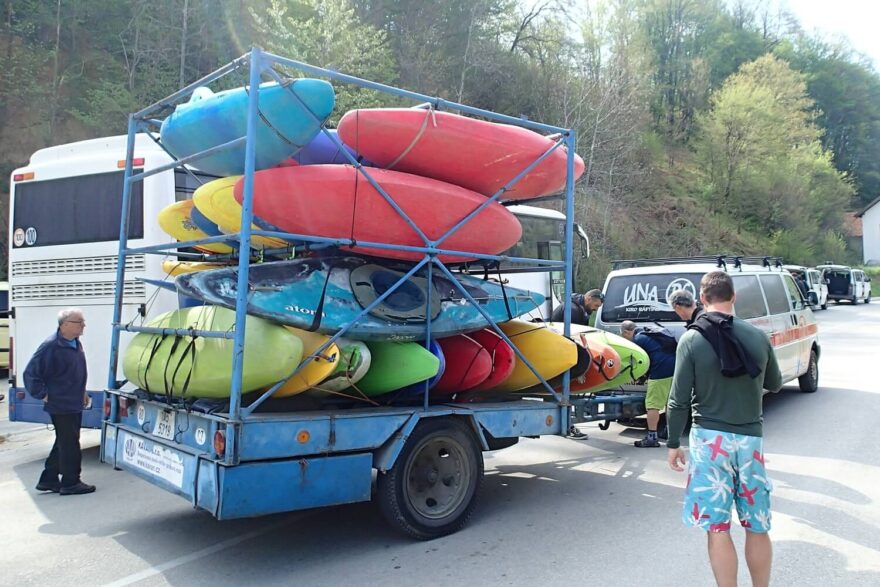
431	489
809	381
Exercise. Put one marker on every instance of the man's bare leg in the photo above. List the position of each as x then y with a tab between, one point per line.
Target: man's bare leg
653	417
722	556
759	556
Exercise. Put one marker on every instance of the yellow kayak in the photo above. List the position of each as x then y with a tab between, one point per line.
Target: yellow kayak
550	353
175	268
216	201
176	221
317	370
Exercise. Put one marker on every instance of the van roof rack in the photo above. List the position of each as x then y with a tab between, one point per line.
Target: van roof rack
720	261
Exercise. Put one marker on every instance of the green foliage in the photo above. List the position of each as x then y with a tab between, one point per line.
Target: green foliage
705	125
327	33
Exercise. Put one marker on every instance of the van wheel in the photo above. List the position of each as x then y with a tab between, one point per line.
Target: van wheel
809	381
825	305
854	300
431	489
868	299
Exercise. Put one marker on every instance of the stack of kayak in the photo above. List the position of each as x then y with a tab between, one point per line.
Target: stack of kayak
436	168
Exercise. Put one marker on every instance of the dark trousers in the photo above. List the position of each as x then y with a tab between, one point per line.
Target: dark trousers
66	457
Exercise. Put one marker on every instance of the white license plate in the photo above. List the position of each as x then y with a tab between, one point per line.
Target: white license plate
164	427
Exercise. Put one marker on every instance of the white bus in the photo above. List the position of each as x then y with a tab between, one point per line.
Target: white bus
63	246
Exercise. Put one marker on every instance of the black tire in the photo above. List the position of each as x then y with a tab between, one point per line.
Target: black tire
809	381
825	305
854	300
868	299
431	489
604	425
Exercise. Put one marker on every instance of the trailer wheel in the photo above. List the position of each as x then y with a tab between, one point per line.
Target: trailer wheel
605	425
809	381
431	489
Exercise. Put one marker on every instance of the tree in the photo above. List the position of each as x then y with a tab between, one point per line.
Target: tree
328	33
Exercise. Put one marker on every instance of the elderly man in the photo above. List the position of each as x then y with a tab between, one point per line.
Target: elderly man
660	346
57	375
684	305
582	306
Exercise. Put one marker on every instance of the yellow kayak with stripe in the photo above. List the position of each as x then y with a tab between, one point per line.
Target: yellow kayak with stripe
317	369
216	201
176	221
550	353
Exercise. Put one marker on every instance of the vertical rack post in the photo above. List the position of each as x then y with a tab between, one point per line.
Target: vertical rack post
125	211
569	264
244	252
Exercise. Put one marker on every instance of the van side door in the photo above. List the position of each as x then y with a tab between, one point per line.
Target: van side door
804	322
782	323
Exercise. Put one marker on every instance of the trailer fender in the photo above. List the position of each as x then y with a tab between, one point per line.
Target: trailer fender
386	455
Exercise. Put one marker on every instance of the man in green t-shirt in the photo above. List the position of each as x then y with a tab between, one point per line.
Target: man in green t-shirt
722	366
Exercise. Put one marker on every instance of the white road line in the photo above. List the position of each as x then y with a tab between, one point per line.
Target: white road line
183	560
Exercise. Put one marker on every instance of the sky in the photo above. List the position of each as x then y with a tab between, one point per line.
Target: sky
856	19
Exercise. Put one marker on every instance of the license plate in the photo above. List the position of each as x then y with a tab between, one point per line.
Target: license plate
164	427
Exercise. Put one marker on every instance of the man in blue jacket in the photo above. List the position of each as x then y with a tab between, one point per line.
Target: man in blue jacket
660	346
57	375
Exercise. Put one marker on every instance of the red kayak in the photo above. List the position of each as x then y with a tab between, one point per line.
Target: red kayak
336	201
503	357
467	365
474	154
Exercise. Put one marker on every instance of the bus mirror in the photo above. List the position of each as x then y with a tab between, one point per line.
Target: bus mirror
584	241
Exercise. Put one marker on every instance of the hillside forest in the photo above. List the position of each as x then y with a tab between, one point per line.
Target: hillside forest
706	125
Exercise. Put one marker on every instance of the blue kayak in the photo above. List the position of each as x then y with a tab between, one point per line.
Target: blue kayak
293	292
284	125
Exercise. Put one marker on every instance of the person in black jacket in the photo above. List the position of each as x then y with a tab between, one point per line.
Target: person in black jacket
684	305
57	375
582	306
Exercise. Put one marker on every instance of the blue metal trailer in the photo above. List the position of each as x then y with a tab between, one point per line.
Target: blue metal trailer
240	461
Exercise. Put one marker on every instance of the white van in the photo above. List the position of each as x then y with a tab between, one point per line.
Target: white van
817	289
766	296
846	283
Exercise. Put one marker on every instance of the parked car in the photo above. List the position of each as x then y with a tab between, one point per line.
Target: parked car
817	289
846	283
766	296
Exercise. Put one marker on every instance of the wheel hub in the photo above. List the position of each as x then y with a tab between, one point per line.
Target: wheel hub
438	478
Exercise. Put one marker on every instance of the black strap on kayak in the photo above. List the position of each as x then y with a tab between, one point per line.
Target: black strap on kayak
167	390
319	311
289	84
157	342
504	293
190	348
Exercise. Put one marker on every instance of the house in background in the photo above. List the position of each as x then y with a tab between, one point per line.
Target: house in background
870	217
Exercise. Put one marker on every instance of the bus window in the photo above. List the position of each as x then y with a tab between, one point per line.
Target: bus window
185	184
81	209
536	231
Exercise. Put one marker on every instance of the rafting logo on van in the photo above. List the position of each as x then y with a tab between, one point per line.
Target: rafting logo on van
644	297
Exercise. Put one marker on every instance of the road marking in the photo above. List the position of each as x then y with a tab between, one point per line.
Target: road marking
154	570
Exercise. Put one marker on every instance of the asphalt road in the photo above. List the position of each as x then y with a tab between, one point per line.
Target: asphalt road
551	511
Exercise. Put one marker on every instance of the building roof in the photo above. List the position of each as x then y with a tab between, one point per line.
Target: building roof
868	207
852	224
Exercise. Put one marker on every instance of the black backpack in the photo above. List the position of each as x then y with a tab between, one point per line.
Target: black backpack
661	336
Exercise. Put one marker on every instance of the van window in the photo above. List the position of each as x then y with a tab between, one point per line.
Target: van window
794	292
777	297
749	299
642	298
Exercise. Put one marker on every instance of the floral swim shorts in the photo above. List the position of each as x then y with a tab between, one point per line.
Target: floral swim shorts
726	469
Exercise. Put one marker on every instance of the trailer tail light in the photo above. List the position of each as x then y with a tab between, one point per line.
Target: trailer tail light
23	176
139	162
220	442
106	408
123	407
